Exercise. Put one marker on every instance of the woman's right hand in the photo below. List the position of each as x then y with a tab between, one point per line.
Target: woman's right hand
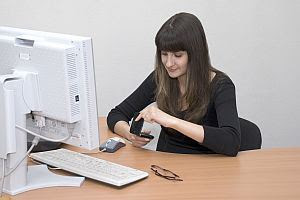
122	128
138	141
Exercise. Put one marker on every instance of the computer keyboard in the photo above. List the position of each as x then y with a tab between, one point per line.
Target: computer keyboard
90	167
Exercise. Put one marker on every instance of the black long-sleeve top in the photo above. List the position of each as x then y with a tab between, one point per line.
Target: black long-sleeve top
221	124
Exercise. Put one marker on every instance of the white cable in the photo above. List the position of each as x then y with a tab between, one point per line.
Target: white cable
42	137
34	143
2	177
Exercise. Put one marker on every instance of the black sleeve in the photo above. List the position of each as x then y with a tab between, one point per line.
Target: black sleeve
226	138
137	101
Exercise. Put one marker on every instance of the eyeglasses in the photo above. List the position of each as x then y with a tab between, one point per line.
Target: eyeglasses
165	173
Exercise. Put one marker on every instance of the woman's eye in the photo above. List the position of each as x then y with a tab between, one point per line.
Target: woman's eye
178	55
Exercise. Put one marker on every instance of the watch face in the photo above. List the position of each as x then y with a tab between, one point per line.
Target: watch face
136	126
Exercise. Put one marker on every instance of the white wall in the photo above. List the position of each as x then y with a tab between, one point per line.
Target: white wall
256	42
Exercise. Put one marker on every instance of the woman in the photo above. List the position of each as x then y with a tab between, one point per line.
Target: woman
195	103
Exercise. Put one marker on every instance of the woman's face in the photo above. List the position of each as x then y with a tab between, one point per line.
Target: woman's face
175	63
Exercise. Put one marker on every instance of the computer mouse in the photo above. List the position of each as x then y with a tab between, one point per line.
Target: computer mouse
112	144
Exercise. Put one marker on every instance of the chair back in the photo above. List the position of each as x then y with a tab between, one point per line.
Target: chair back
250	135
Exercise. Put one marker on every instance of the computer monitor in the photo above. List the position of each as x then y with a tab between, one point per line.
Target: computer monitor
46	76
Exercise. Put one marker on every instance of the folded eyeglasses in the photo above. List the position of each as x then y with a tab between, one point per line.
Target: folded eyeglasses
165	173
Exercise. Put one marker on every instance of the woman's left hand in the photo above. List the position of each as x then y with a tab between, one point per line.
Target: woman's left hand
153	114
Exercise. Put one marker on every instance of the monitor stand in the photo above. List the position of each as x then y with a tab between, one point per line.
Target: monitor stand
38	176
14	106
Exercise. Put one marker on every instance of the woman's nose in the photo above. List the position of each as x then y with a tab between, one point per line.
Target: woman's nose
170	61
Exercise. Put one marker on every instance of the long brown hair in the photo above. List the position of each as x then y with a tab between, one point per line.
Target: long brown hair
184	32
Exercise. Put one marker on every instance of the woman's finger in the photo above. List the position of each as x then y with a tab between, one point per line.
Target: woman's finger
135	138
138	117
139	143
147	131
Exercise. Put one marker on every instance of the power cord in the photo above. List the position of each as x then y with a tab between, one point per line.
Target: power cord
35	141
41	122
42	137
